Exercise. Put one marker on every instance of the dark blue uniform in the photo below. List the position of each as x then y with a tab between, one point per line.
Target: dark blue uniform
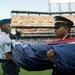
61	21
59	72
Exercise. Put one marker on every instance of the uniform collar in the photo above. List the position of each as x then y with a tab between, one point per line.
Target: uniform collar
4	33
65	36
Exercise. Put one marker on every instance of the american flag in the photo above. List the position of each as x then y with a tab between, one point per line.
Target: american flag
34	57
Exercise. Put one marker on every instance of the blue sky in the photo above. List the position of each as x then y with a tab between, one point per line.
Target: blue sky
6	6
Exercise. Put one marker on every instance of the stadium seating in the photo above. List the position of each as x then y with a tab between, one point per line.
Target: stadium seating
36	29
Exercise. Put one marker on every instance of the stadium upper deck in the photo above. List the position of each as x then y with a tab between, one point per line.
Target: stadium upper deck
31	18
38	21
30	24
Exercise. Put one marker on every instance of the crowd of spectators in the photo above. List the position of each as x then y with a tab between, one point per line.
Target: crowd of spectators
35	40
32	20
28	20
42	30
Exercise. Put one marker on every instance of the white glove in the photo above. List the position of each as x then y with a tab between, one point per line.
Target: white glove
15	43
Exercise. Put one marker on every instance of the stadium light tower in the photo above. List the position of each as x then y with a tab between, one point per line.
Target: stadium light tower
49	5
60	4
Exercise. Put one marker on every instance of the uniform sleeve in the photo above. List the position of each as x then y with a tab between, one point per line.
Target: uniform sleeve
7	45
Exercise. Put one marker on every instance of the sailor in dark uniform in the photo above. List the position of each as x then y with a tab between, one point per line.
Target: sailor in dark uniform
62	31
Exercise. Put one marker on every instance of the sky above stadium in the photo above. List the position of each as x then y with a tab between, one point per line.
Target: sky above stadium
6	6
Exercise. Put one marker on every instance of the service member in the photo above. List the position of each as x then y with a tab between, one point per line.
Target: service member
8	66
62	31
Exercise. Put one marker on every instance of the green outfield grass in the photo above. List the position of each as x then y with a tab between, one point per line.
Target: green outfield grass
24	72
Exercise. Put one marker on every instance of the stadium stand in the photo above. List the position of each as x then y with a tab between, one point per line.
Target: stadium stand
32	20
38	28
35	20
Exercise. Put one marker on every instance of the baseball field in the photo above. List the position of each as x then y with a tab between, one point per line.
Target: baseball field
24	72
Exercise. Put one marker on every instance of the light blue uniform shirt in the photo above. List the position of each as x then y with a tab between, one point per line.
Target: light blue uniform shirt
5	44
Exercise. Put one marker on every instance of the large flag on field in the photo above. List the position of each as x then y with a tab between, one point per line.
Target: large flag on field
34	57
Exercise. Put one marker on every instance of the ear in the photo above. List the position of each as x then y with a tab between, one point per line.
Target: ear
3	28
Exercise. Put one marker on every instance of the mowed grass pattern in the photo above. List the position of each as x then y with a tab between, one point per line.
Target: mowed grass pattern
24	72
